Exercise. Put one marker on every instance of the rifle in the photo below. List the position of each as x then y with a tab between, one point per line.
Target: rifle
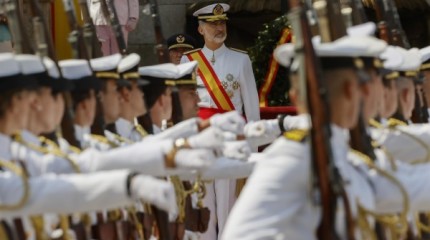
327	185
109	13
89	32
44	44
160	47
21	41
75	36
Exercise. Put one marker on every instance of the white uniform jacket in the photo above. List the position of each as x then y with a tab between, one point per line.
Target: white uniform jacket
234	70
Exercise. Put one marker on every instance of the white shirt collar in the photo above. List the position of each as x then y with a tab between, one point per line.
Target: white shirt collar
30	137
124	127
80	132
156	129
5	142
217	53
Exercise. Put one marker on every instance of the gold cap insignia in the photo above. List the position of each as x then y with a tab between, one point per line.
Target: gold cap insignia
218	10
180	39
358	62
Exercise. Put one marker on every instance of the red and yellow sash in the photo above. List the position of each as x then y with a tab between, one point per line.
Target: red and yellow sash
211	81
269	80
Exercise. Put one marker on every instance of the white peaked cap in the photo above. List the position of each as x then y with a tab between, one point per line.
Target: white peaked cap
105	63
347	46
186	68
392	58
209	9
75	68
8	65
51	67
30	64
165	71
128	62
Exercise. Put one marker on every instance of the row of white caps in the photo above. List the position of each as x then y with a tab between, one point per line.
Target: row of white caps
359	43
26	64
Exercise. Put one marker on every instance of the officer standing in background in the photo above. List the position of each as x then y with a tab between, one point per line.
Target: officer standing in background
229	84
178	44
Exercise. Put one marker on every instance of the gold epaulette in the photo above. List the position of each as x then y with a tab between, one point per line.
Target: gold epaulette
103	140
191	51
239	50
392	122
297	135
375	124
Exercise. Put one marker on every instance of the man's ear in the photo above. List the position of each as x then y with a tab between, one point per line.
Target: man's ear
124	95
200	29
292	93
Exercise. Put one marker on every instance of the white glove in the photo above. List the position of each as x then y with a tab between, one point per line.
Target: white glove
240	150
188	235
194	158
154	191
211	138
230	122
262	128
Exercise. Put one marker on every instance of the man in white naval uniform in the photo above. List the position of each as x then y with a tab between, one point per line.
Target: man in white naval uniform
133	103
229	85
14	116
276	202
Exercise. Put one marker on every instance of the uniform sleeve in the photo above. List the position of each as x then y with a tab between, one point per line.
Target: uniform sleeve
408	143
145	157
183	129
184	59
223	168
249	93
414	179
133	9
270	202
65	193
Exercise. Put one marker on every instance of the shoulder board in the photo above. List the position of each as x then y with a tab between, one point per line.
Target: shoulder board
375	124
100	138
238	50
392	122
297	135
191	51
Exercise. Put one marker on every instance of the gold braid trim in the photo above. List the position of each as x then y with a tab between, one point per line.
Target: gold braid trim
420	142
397	224
17	170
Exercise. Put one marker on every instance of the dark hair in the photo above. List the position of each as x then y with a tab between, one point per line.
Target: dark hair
79	96
6	99
152	93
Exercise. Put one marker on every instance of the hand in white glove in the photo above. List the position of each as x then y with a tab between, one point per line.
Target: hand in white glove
194	158
210	138
154	191
188	235
262	128
240	150
231	122
131	24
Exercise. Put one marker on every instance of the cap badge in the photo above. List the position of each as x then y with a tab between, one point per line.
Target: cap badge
180	39
218	10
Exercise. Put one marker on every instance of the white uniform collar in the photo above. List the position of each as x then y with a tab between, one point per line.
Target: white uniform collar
217	53
339	133
124	127
29	137
5	142
156	129
80	132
